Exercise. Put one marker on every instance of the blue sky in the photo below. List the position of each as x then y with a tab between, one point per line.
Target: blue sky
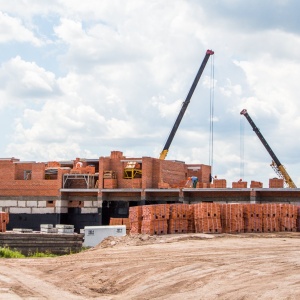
83	78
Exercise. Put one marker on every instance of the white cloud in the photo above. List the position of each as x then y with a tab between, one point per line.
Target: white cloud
23	80
12	29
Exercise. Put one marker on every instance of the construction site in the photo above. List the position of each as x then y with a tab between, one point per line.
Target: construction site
187	233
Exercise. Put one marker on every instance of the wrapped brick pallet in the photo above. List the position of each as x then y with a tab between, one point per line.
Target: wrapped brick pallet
270	217
178	221
252	217
4	219
135	218
155	219
288	217
207	218
232	220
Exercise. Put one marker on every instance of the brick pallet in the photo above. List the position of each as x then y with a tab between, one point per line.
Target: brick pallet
4	219
271	217
207	218
135	219
232	220
156	227
155	219
178	218
252	214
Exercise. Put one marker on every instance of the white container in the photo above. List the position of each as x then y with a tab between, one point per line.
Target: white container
93	235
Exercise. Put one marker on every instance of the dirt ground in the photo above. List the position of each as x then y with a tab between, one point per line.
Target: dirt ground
185	266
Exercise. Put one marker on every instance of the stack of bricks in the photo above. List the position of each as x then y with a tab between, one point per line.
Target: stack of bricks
219	183
191	219
270	217
256	184
4	219
232	219
155	219
207	218
276	183
120	221
135	218
252	217
239	184
288	217
178	219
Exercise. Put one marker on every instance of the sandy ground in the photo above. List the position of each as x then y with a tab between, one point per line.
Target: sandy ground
191	266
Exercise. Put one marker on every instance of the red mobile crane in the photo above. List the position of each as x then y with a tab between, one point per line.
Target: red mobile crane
185	104
276	164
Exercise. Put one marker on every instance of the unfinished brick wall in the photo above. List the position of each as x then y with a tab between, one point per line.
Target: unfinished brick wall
12	181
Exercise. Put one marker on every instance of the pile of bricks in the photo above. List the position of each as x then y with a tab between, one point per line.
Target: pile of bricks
239	184
135	218
232	219
4	219
207	218
252	217
219	183
256	184
270	217
288	217
178	219
276	183
155	219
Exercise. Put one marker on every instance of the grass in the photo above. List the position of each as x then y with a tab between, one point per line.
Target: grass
10	253
6	252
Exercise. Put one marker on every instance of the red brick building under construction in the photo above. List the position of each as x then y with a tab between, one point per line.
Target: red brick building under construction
86	192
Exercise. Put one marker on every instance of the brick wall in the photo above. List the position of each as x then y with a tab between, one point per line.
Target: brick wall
12	181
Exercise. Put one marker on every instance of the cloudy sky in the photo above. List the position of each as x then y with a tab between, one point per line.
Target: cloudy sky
83	78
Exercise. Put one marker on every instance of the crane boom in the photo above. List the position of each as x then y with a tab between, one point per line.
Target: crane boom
276	164
185	104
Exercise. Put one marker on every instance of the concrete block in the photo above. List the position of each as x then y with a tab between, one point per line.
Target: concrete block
90	210
43	210
61	210
42	203
95	204
61	203
20	210
21	203
88	203
31	203
8	203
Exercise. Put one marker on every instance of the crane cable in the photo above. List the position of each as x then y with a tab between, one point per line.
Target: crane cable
242	161
211	116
